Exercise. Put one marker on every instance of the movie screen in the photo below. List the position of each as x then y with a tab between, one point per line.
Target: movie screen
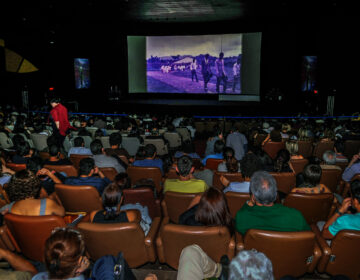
206	64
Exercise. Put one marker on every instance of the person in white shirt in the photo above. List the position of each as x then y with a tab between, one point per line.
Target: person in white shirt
193	67
236	72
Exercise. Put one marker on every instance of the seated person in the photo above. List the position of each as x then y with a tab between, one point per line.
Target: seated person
281	162
249	165
329	160
342	219
64	256
87	169
23	153
218	152
186	182
21	268
187	149
262	213
47	178
112	199
102	160
230	163
115	140
210	209
352	169
217	135
273	136
79	148
55	157
5	174
310	180
339	149
150	159
24	192
293	148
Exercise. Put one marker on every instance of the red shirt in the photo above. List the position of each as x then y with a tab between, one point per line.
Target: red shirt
60	114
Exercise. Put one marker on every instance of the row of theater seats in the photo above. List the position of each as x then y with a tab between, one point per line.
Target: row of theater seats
292	253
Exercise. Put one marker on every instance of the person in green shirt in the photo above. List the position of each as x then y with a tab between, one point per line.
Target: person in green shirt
262	213
186	182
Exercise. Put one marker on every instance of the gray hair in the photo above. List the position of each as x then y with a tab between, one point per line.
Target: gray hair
250	264
329	157
263	187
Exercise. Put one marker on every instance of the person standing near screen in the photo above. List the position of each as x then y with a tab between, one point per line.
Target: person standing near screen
206	71
236	71
59	117
220	73
193	67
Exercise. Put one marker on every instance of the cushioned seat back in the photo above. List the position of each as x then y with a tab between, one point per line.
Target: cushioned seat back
314	207
289	252
344	257
31	232
231	176
161	148
137	173
272	148
305	148
39	141
331	178
298	164
175	203
321	147
235	201
69	170
78	198
351	147
144	196
105	141
215	241
173	138
212	163
172	174
105	239
75	159
109	172
285	181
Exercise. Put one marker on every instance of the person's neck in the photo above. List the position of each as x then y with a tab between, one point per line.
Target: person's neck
185	178
114	147
266	205
53	158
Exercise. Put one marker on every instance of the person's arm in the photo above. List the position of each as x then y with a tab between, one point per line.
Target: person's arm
17	262
51	175
55	208
343	209
350	170
266	140
98	172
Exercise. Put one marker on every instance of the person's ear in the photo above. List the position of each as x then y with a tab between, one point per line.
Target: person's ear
177	169
192	170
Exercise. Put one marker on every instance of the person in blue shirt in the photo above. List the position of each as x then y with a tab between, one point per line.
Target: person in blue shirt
150	159
87	169
218	152
341	220
79	148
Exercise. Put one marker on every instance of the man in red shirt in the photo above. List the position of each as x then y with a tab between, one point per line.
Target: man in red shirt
59	116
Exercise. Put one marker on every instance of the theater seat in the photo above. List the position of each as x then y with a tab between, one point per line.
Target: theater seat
137	173
129	238
314	207
342	256
29	233
272	148
16	166
144	196
215	241
321	147
298	164
175	203
78	198
291	253
331	178
212	163
235	201
305	148
69	170
231	176
109	172
75	159
285	181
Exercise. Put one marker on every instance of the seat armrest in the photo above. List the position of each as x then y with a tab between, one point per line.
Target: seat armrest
164	209
159	244
149	239
5	240
325	249
239	242
231	248
316	257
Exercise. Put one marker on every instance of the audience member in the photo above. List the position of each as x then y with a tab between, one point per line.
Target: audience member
115	140
218	152
230	163
5	174
339	149
329	160
23	153
281	162
87	170
342	219
150	159
217	135
309	180
64	256
261	212
352	169
249	165
24	193
238	142
186	182
79	148
102	160
55	157
22	269
293	148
